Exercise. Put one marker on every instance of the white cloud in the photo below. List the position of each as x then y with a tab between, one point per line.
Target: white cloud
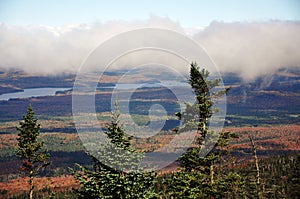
52	50
249	49
252	49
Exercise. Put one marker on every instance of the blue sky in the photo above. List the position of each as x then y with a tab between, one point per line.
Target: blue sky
189	13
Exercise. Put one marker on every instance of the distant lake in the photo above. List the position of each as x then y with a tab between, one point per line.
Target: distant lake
32	92
40	92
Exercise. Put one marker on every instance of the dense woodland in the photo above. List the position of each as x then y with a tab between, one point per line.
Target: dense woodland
279	177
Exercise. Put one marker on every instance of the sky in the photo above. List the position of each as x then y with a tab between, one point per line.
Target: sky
252	38
189	13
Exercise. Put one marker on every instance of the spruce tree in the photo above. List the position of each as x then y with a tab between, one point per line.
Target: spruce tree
198	176
30	149
196	117
107	182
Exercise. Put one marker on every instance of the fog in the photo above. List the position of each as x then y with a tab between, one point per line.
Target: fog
248	49
252	49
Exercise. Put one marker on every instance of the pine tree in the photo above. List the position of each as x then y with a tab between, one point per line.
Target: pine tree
107	182
30	150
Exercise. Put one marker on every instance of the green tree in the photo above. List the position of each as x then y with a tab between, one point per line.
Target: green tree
107	182
279	177
198	176
30	149
195	118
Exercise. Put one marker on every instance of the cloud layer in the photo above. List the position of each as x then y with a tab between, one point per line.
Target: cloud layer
53	50
252	49
248	49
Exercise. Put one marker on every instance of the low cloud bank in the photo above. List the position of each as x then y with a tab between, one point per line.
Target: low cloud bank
248	49
252	49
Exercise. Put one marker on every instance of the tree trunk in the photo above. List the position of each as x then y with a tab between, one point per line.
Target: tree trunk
31	185
212	172
257	168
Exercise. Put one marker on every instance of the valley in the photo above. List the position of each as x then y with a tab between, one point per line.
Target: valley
267	109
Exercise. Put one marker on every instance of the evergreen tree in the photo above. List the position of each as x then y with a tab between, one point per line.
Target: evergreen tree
195	118
30	150
279	177
108	182
198	176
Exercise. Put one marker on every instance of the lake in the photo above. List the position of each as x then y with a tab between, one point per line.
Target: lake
31	92
40	92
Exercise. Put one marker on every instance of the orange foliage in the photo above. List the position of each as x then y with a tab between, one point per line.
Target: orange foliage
284	137
19	185
8	140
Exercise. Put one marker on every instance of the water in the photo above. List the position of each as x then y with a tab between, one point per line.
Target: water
31	92
40	92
